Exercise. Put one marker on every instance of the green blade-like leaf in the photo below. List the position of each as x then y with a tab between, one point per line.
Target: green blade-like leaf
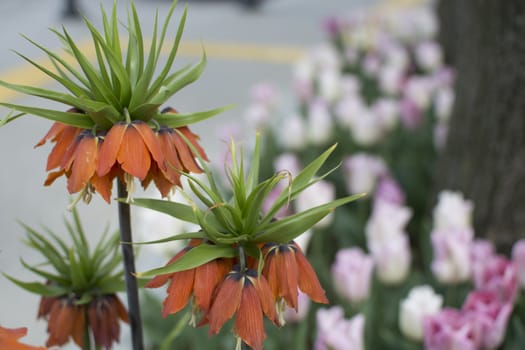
141	88
10	117
252	179
155	87
136	30
96	84
67	83
177	237
77	273
285	230
48	276
39	288
194	257
112	285
117	68
299	183
179	120
177	210
56	58
74	119
166	91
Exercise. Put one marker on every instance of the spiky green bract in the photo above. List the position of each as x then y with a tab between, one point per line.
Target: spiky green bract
239	221
73	268
123	79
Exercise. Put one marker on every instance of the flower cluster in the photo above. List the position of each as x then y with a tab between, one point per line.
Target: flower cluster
114	127
242	261
79	299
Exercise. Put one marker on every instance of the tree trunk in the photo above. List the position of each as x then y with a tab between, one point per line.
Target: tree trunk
485	153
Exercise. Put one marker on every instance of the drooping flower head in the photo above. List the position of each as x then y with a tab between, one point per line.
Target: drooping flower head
114	126
79	292
243	261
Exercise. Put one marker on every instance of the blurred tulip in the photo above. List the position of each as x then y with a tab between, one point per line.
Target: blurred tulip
429	55
451	263
352	272
500	276
295	140
362	171
451	329
319	123
452	211
392	258
336	333
518	257
491	314
389	190
421	301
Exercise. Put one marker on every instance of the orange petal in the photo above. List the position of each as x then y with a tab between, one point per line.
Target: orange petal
288	277
151	141
249	320
226	301
185	154
121	310
173	165
110	147
103	185
63	141
84	164
179	292
9	339
79	325
55	130
267	299
308	281
133	155
194	140
271	272
160	280
207	277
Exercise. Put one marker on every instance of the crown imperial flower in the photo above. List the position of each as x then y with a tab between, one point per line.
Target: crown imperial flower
114	127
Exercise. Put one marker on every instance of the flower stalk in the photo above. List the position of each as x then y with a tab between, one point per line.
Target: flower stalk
129	268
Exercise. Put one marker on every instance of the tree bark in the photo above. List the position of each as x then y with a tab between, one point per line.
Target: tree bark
485	152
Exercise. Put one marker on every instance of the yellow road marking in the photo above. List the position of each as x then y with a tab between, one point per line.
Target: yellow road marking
26	74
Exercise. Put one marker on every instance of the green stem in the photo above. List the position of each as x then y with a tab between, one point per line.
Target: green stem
129	268
87	338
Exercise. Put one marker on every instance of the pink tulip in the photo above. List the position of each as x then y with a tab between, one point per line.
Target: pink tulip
500	276
451	329
352	272
491	314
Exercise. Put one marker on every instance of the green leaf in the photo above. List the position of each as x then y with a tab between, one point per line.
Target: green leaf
285	230
177	210
10	117
180	236
299	183
178	120
98	87
48	276
78	120
194	257
55	59
67	83
173	51
166	91
78	277
38	288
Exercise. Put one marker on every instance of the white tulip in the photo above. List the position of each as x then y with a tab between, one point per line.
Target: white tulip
421	301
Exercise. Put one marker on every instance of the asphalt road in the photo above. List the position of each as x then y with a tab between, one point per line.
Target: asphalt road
238	41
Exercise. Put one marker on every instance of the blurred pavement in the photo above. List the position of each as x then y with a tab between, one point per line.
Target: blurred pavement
239	45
